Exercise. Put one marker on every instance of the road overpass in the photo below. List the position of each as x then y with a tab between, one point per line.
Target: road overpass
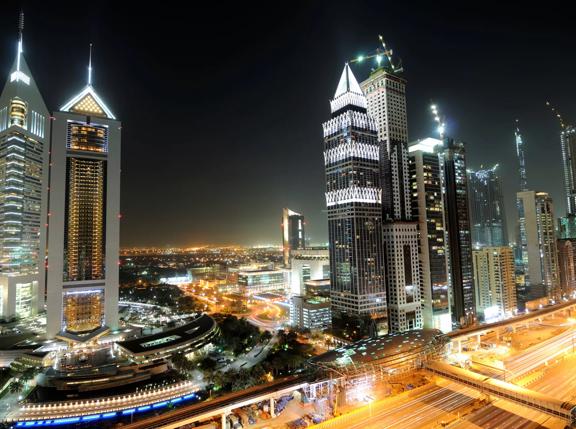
538	401
476	332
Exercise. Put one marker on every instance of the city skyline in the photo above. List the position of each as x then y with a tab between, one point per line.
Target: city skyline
263	64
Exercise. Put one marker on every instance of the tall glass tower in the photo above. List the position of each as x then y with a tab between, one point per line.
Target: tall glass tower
24	152
487	213
354	203
84	222
459	238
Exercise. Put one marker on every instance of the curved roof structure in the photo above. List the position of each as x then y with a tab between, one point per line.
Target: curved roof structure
388	350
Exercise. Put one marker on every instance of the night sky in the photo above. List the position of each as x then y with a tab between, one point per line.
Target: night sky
222	107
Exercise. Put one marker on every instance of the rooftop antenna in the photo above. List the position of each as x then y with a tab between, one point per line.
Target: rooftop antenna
90	67
20	36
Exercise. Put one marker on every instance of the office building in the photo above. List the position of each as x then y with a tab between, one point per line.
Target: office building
84	230
293	237
520	227
495	282
567	266
24	153
385	92
538	245
568	144
257	281
453	158
427	184
311	313
305	265
354	203
487	214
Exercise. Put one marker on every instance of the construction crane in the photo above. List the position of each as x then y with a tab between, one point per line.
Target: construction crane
557	114
439	120
379	54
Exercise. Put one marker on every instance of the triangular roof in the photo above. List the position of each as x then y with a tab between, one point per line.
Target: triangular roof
348	83
21	84
88	102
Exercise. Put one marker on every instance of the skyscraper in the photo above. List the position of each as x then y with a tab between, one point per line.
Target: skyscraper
487	215
427	186
24	152
386	97
495	281
567	266
84	218
538	245
520	227
293	237
385	93
568	142
458	224
354	203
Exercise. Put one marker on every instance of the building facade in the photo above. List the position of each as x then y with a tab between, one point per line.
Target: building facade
385	92
567	266
495	282
520	228
312	313
354	203
487	214
386	100
293	237
453	158
568	144
24	158
254	282
84	218
538	245
428	208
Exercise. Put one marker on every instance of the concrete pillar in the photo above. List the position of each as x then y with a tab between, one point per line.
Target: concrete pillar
224	415
459	346
272	413
478	338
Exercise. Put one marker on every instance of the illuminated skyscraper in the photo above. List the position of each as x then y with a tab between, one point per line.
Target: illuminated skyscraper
24	148
487	215
567	266
568	141
427	184
539	248
354	203
385	93
453	157
495	282
520	227
84	218
293	237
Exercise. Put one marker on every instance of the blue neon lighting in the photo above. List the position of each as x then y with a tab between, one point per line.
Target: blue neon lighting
65	421
92	417
109	415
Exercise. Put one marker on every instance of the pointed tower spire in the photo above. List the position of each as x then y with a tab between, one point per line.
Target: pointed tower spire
521	158
90	66
20	37
348	92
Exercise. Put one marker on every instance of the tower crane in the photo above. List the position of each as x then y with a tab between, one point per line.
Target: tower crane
439	120
379	54
557	114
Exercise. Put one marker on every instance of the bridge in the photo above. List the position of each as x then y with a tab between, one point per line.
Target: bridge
562	409
498	328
